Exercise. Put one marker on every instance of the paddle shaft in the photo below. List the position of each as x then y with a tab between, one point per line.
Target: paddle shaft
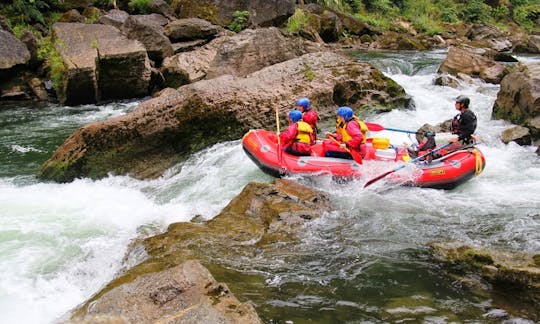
279	153
357	159
377	128
403	165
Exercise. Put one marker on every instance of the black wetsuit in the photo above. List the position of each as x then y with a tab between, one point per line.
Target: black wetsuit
464	125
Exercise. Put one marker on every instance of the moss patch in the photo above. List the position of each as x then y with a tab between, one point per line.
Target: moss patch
477	259
536	260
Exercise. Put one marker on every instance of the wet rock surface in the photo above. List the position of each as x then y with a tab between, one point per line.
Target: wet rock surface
170	286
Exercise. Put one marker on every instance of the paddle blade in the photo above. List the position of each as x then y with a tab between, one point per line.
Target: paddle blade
377	178
374	127
356	156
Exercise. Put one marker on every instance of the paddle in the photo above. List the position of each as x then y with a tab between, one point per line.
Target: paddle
377	128
403	165
279	153
355	155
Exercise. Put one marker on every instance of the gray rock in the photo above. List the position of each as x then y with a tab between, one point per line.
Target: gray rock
161	7
191	29
261	12
72	16
519	134
12	51
148	29
239	54
518	99
114	18
124	70
186	293
471	62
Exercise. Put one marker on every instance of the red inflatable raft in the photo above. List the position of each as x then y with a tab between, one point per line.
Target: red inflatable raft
443	173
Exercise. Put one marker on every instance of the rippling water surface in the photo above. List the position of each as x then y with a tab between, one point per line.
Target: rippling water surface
365	261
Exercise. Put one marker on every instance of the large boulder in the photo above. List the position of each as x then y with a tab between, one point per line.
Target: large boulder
161	7
220	12
15	60
471	62
114	17
190	29
327	25
519	134
186	293
148	29
491	37
518	99
169	286
101	64
12	51
239	55
261	215
162	130
529	44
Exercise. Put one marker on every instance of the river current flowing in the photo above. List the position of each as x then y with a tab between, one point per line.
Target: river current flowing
366	261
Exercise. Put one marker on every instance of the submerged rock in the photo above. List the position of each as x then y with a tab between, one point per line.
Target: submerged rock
518	272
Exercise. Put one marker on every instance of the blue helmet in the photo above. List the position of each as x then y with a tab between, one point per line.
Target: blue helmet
295	115
304	102
345	112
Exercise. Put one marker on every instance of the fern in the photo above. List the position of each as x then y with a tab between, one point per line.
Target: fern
240	21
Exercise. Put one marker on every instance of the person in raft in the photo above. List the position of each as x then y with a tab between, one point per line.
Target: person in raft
463	124
309	115
298	137
425	146
349	137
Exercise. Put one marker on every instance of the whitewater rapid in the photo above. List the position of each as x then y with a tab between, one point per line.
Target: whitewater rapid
60	243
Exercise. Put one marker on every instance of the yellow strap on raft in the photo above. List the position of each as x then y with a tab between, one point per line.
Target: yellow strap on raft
478	169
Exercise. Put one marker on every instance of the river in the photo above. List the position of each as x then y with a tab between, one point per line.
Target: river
365	262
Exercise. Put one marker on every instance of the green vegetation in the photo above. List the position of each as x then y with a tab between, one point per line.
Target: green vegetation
19	29
240	21
298	21
528	16
48	52
30	11
536	259
139	6
308	73
429	16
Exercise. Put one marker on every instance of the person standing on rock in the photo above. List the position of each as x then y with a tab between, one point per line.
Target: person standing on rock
298	137
463	124
309	115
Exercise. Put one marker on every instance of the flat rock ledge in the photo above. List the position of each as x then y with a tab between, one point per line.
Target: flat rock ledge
502	270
